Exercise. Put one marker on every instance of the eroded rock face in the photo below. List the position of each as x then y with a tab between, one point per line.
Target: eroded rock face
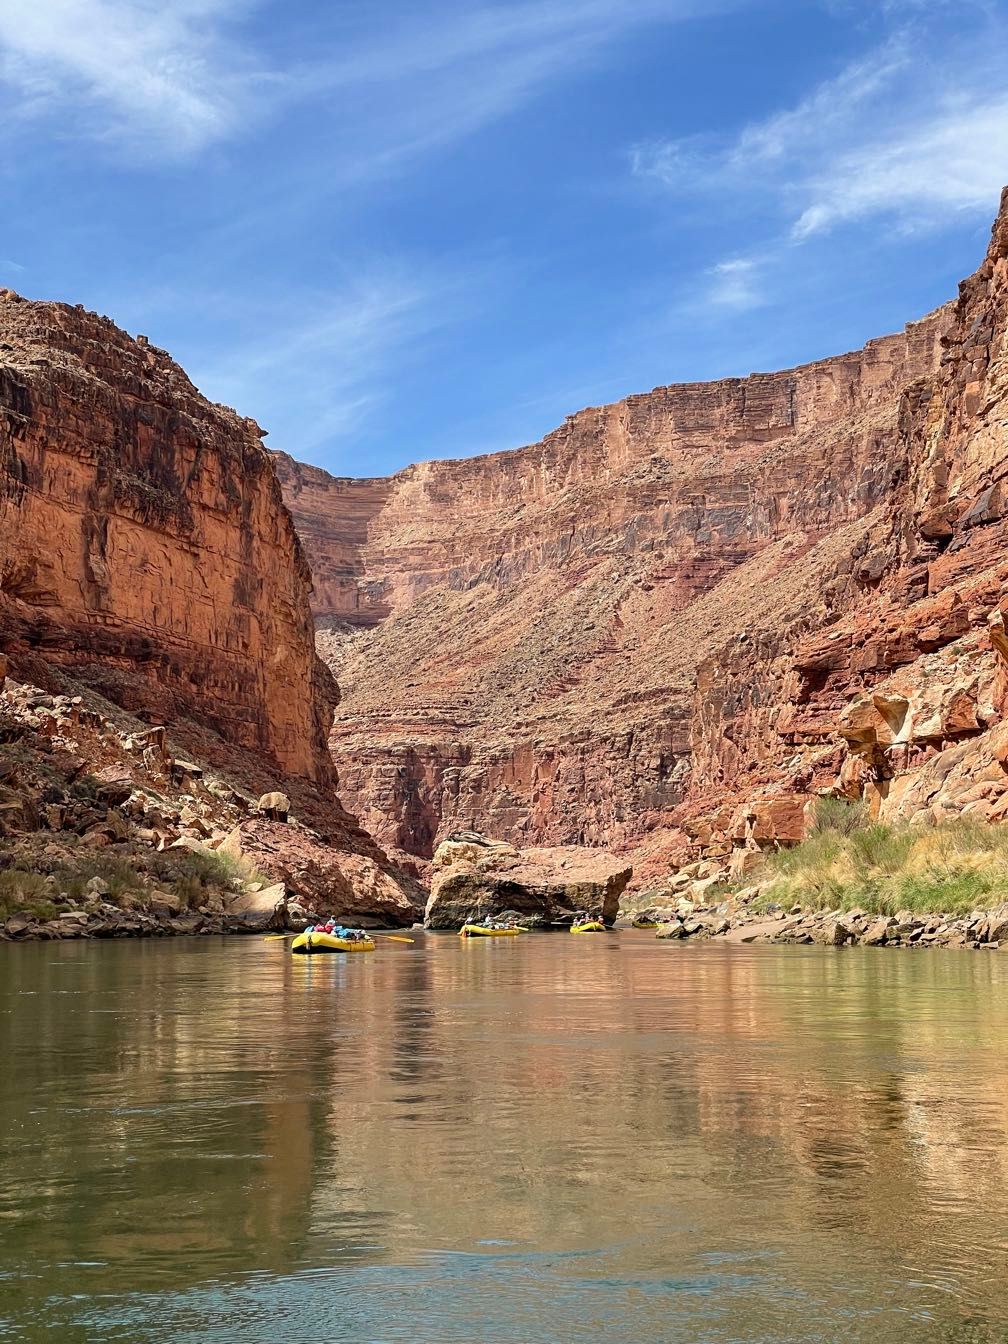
476	878
677	619
922	663
591	640
325	879
143	540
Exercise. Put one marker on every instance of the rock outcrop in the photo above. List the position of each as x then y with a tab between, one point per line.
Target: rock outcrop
619	635
476	878
106	831
144	543
158	650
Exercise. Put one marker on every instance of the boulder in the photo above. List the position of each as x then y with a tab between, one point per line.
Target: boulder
164	903
255	910
831	933
192	844
19	925
477	878
674	929
274	806
879	932
231	845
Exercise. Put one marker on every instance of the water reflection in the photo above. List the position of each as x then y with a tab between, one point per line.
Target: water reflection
537	1139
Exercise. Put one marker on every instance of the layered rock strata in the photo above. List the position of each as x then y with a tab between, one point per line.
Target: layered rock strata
154	622
618	636
143	538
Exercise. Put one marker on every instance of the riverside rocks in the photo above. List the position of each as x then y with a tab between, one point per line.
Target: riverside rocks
734	921
86	789
476	878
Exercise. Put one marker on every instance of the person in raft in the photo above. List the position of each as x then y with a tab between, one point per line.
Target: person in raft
338	931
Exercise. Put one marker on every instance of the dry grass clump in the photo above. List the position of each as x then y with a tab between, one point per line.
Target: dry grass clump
38	886
850	862
28	892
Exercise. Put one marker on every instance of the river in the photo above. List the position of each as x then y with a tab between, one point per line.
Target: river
535	1139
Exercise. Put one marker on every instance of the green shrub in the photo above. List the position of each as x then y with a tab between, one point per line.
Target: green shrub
28	892
948	869
187	865
839	816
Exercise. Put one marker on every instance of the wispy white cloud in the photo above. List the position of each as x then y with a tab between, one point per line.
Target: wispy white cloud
317	365
167	78
458	66
162	78
955	159
734	285
894	134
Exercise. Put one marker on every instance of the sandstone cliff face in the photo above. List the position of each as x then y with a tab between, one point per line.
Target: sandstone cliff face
593	640
921	663
143	541
335	514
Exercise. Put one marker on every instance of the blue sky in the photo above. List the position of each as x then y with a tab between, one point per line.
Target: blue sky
406	229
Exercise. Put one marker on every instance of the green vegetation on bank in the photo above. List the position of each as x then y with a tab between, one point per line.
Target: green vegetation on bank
43	888
850	862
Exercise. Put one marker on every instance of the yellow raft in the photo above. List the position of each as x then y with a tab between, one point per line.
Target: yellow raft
645	924
591	926
308	943
478	931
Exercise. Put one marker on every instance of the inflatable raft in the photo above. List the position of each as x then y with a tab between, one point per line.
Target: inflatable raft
590	926
478	931
311	942
645	924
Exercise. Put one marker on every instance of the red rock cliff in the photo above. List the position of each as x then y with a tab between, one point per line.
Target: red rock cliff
143	540
677	618
565	620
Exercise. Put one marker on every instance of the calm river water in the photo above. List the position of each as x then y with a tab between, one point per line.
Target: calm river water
535	1139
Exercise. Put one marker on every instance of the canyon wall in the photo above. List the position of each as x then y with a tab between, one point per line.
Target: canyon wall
651	630
144	543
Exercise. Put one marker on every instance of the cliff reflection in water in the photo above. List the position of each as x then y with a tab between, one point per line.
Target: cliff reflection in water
178	1113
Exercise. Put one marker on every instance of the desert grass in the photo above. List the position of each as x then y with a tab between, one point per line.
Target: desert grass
850	862
42	888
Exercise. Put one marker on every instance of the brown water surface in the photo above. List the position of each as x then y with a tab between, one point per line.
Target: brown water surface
535	1139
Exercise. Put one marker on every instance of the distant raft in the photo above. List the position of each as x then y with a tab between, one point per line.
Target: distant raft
482	931
645	924
313	941
589	926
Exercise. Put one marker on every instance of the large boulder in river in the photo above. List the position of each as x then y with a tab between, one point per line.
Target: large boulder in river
259	910
476	878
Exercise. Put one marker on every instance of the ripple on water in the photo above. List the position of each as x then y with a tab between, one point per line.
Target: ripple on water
622	1140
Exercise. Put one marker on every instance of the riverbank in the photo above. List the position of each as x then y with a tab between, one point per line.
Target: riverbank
979	930
853	880
107	830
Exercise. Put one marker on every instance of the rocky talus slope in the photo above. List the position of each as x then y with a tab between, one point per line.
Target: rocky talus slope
106	831
154	607
673	621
